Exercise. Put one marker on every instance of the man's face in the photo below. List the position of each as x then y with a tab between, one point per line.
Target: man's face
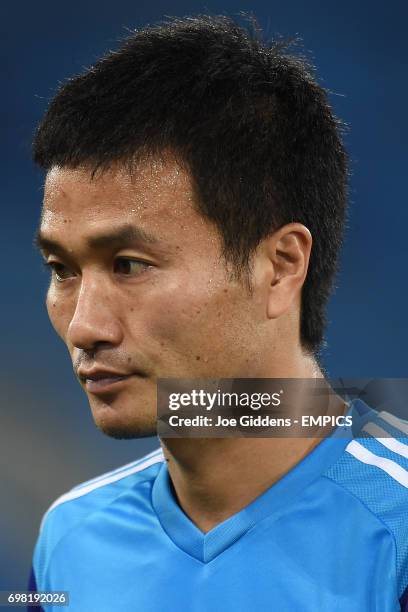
139	290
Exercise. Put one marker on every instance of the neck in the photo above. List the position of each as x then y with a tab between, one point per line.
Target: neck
229	473
215	478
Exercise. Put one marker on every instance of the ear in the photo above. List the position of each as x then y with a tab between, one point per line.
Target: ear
288	250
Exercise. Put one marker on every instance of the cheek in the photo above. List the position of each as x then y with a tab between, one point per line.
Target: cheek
172	317
58	312
196	322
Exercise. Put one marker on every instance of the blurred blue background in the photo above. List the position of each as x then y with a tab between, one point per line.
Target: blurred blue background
48	441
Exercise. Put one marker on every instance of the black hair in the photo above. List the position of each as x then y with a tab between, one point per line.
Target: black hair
248	120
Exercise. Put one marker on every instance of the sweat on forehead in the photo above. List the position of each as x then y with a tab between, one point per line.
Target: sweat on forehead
151	206
148	182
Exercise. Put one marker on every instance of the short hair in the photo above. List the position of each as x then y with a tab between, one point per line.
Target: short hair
247	118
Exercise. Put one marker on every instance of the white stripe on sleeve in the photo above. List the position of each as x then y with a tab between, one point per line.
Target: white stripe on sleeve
385	439
361	453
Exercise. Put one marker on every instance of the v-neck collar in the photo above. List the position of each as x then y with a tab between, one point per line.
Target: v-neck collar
206	546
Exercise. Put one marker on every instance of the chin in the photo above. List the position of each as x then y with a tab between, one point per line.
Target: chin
123	423
126	432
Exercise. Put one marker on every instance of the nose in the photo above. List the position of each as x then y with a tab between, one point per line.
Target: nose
94	321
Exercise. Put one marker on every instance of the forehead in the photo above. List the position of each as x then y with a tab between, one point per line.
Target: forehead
153	190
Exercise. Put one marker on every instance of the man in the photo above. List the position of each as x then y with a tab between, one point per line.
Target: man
193	212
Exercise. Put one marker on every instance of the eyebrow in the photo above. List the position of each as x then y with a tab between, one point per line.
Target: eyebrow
120	237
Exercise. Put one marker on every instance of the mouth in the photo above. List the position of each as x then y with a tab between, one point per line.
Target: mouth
101	381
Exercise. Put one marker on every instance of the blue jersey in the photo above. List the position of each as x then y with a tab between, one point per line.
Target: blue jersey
332	534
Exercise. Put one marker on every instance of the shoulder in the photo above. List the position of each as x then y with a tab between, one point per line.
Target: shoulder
378	455
374	468
74	507
102	489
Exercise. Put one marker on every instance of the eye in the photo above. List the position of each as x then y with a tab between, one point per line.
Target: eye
130	267
60	272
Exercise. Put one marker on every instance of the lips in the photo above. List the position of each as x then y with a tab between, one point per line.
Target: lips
102	381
